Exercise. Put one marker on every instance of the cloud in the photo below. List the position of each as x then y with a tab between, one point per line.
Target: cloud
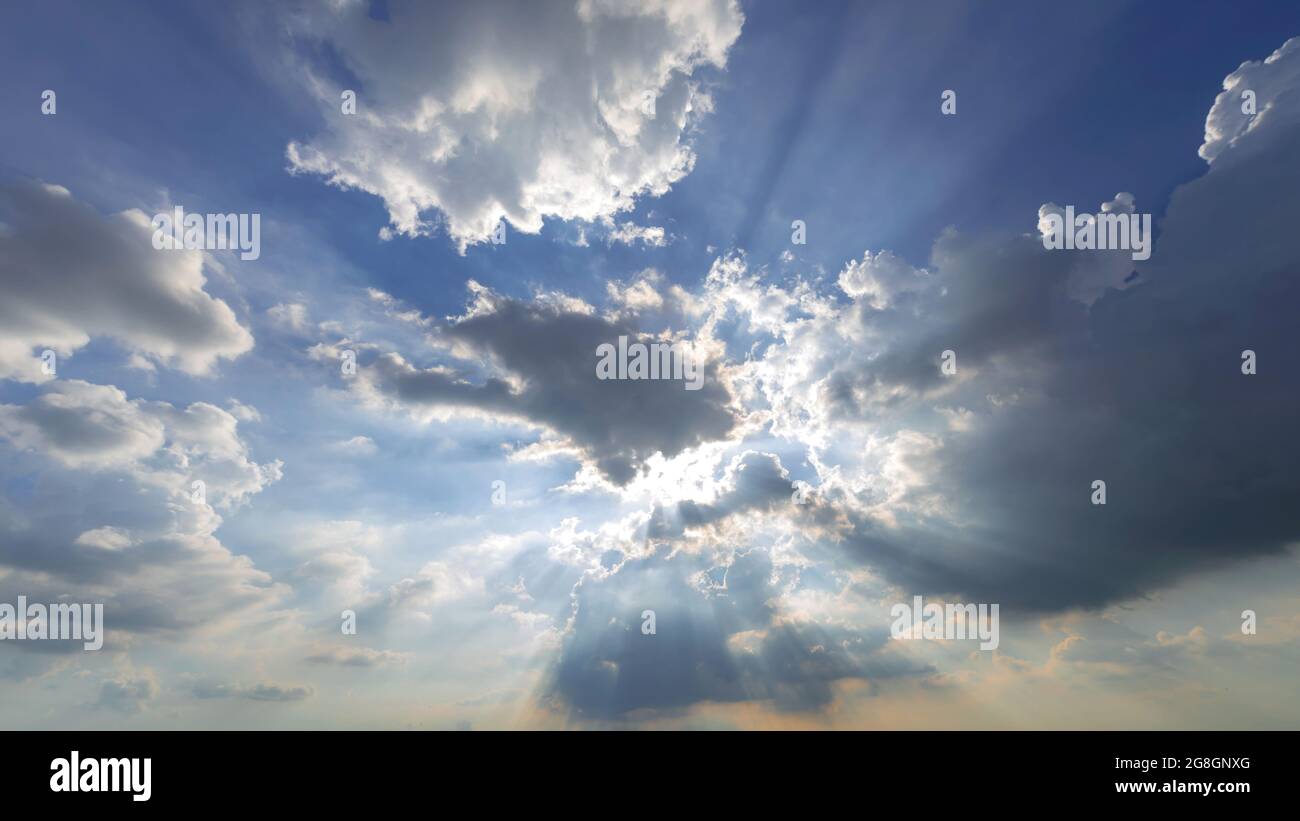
68	274
340	571
629	233
357	657
1094	273
752	481
126	695
115	517
522	112
290	315
879	280
1140	387
356	446
541	358
1274	83
242	412
1104	646
972	487
262	691
83	425
718	638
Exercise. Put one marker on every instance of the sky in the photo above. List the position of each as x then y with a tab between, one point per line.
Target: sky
903	391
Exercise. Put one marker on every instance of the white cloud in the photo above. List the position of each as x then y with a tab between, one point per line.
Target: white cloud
1096	271
106	538
356	446
629	233
568	110
290	315
1273	82
243	412
83	425
880	278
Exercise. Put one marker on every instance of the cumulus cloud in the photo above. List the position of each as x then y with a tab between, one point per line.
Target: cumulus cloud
139	537
880	279
68	274
1140	387
469	114
972	487
1092	273
83	425
1143	389
978	484
341	572
541	358
1273	83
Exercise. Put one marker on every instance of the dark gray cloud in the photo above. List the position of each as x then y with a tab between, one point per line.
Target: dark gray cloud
549	355
717	638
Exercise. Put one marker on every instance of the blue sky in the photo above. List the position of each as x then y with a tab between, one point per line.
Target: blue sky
839	95
375	494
